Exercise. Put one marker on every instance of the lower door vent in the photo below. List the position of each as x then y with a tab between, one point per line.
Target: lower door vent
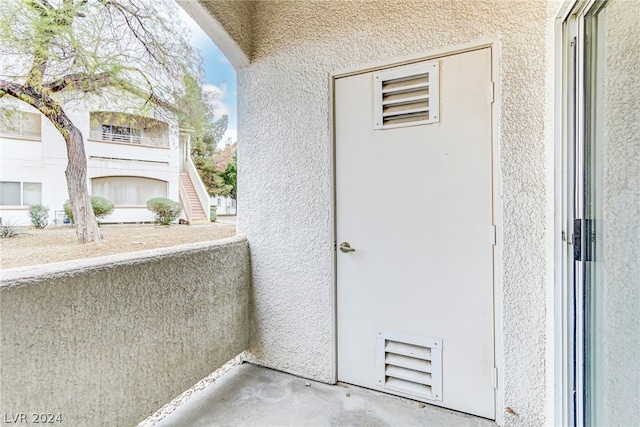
411	365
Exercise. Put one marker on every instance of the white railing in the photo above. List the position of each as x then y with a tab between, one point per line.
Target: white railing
201	190
129	139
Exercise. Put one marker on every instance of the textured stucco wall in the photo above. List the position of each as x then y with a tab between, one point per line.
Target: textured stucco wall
108	341
228	23
285	175
618	295
235	17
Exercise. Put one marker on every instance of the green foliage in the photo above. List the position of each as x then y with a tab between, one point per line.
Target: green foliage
66	207
230	177
80	46
9	230
101	207
165	210
203	150
136	53
39	215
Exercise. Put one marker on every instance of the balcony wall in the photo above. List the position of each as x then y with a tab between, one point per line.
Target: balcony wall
107	341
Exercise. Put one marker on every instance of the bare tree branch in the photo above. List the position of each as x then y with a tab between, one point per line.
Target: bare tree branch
49	107
60	49
150	97
88	82
80	81
42	6
127	14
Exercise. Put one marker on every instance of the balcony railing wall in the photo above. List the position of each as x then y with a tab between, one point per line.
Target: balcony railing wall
107	341
129	139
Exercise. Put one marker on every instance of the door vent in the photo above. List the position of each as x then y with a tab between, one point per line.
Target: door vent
410	365
406	96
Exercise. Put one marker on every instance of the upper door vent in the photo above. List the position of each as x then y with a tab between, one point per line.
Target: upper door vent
406	96
411	365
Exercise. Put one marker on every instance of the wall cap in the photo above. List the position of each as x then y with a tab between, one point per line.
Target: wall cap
24	275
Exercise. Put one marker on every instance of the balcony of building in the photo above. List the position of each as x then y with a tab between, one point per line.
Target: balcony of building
112	339
123	128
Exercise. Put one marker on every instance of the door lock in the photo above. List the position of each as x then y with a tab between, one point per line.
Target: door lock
345	247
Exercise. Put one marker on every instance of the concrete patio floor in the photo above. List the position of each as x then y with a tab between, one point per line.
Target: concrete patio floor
250	395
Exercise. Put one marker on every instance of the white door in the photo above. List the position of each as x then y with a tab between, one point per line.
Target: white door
414	199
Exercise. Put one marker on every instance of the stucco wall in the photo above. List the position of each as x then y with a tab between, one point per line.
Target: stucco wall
235	17
227	22
617	305
285	174
108	341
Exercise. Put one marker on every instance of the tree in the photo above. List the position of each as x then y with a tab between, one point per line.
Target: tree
207	133
203	154
59	51
230	177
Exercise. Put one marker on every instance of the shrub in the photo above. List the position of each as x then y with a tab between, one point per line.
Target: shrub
66	207
39	215
9	230
165	210
101	207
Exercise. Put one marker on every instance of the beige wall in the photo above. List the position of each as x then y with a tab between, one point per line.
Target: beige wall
108	341
285	172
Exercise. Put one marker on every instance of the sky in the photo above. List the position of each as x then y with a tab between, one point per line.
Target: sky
220	77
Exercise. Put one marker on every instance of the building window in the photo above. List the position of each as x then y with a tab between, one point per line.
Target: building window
10	194
22	124
20	193
128	190
219	201
31	193
121	134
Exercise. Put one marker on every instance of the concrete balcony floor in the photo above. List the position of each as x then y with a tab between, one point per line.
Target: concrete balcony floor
250	395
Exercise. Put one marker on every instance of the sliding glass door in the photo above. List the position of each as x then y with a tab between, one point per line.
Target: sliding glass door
605	280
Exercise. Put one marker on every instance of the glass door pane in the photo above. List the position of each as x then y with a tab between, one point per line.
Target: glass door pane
610	259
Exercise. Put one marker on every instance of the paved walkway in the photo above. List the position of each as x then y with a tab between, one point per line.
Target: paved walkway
226	219
250	395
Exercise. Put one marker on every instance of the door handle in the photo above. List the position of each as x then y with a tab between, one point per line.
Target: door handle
345	247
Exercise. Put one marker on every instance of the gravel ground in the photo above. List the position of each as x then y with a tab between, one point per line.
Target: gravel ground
55	244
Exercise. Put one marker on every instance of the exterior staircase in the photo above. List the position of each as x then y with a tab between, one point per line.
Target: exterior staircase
189	198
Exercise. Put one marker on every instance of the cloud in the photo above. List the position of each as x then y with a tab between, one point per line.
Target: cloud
214	96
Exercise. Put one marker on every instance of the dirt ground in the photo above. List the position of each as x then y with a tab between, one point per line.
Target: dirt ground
55	244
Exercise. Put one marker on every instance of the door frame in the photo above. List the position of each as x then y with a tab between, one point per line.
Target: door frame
568	403
498	301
